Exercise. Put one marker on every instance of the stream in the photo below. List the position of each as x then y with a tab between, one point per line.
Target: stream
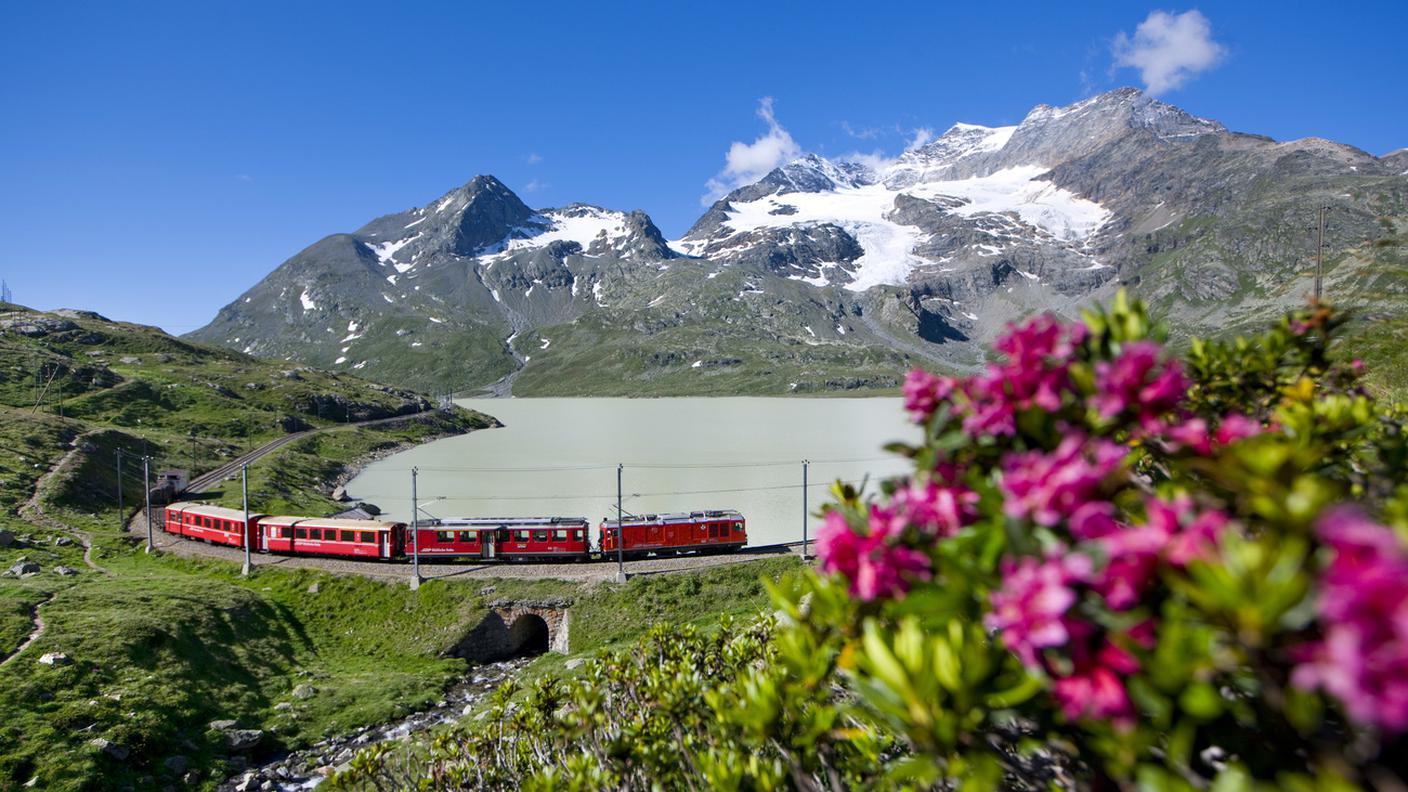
305	769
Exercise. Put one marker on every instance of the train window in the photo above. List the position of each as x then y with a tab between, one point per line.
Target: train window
466	536
349	536
302	533
520	536
540	536
713	531
368	537
559	536
444	536
738	526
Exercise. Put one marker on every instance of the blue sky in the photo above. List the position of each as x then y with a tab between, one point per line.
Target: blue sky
157	159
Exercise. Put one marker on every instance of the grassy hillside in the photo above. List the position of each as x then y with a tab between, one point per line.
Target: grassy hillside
160	646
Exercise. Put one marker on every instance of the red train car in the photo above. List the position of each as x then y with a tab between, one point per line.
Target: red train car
506	538
331	537
703	531
214	524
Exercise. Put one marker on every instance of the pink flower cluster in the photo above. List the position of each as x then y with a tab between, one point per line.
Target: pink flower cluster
1174	533
877	563
1139	382
924	392
1194	433
1030	608
1033	612
1362	658
1034	375
1095	687
1050	488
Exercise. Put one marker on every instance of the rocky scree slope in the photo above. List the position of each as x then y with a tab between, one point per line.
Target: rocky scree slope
829	275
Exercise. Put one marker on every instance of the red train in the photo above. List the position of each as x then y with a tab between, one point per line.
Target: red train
484	538
701	531
291	535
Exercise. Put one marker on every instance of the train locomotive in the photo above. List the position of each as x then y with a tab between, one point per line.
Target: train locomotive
481	538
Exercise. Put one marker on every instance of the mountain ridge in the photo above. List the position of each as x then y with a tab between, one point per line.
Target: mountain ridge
829	275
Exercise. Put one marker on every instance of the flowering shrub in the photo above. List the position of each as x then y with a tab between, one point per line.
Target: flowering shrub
1168	580
1112	567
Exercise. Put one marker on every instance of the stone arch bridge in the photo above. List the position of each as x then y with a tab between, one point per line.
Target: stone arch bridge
515	629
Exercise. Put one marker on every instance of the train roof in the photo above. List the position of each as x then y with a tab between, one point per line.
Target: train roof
494	522
206	510
317	522
679	517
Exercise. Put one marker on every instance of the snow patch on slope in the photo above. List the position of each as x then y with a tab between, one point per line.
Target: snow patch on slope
863	212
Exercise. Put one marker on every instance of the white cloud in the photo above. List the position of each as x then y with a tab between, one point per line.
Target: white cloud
534	158
745	163
866	133
244	177
535	186
922	135
1168	49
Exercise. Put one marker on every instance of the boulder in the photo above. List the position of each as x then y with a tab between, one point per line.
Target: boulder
23	568
130	360
62	541
55	659
63	571
176	765
241	740
223	725
110	748
314	588
304	691
283	706
7	539
575	662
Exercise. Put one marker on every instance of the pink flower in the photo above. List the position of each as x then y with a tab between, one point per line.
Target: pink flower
1093	520
1048	488
839	547
1236	426
1174	533
1030	608
1190	534
1034	375
1137	381
1133	557
1191	434
934	509
1094	689
1362	658
924	392
875	564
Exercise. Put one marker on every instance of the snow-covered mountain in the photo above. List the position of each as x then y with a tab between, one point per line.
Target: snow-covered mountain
831	274
972	195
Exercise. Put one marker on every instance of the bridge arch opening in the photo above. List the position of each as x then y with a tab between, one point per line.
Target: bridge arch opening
528	636
504	634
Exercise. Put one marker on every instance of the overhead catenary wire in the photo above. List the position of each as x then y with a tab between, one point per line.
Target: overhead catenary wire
637	466
591	496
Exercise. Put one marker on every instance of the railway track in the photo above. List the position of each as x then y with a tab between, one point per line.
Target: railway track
470	569
199	483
